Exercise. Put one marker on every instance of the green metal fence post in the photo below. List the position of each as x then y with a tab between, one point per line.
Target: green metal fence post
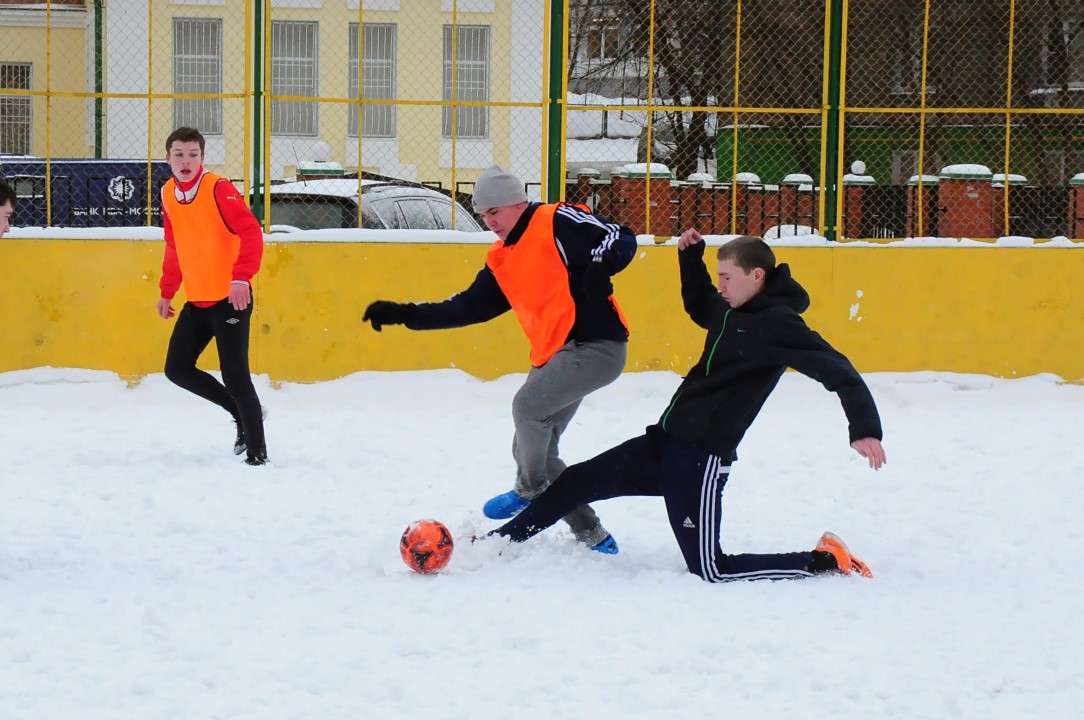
555	137
257	109
830	186
99	85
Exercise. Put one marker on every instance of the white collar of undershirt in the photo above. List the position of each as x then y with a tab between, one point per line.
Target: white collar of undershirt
186	196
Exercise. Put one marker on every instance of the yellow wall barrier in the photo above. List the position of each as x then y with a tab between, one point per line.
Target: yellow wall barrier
1000	311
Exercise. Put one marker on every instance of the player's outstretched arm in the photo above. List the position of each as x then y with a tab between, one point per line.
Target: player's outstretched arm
871	449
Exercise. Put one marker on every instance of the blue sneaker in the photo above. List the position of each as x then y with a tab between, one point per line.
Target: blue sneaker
607	546
504	506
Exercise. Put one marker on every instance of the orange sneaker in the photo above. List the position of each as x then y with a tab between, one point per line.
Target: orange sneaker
830	543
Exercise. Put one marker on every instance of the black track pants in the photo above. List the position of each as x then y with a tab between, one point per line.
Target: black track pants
235	394
691	482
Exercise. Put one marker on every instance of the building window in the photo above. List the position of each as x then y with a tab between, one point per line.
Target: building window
907	36
1075	42
378	83
1063	52
905	165
466	62
15	121
602	42
197	69
293	74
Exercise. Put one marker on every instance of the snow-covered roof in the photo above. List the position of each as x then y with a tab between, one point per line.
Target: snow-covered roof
347	188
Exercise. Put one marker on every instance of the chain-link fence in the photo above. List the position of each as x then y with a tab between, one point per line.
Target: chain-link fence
878	119
347	114
881	119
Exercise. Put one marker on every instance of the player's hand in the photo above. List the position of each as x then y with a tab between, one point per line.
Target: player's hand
165	309
872	450
384	312
689	238
240	295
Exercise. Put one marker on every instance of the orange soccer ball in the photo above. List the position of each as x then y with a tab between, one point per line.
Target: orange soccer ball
426	546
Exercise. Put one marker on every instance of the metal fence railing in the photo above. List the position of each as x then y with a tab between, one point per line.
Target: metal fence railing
875	119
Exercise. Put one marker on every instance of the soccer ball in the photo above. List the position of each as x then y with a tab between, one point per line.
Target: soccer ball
426	546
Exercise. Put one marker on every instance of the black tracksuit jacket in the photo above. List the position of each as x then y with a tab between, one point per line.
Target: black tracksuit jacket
747	350
580	236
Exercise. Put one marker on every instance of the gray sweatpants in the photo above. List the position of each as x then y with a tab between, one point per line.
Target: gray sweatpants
542	409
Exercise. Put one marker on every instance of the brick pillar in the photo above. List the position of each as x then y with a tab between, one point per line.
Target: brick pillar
852	203
1076	207
965	196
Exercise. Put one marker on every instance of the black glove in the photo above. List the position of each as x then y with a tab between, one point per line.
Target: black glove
383	312
596	281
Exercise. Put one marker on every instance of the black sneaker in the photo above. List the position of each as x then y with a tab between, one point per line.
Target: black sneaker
256	459
239	445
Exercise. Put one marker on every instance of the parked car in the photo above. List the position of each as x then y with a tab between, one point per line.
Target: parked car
333	203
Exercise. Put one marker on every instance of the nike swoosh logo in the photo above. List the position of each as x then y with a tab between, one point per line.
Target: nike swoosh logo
740	330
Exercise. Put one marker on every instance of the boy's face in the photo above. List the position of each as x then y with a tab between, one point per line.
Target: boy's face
502	220
185	159
5	217
737	286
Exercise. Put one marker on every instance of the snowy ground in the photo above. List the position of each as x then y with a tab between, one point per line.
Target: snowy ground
146	574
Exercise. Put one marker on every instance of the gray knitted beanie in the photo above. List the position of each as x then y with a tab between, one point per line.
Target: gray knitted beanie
497	187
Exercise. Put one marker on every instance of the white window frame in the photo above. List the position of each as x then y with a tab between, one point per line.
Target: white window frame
380	47
295	72
472	71
197	70
16	111
607	35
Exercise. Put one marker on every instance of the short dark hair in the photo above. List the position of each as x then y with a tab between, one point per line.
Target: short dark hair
748	252
185	134
7	194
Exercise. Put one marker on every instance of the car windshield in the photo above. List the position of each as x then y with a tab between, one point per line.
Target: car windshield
306	213
319	204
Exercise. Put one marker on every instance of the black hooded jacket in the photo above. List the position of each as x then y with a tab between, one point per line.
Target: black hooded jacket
747	350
